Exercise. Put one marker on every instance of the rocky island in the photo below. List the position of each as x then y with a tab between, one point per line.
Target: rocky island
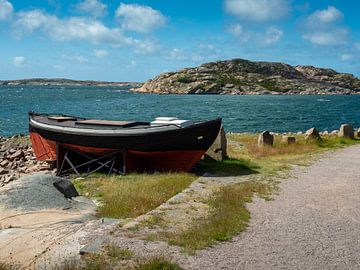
61	81
239	76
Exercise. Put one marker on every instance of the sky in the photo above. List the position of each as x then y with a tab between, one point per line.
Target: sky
137	40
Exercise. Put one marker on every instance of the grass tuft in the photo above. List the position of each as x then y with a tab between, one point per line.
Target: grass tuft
227	218
9	266
158	263
228	167
132	195
117	253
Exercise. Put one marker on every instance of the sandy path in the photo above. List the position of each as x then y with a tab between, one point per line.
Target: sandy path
314	223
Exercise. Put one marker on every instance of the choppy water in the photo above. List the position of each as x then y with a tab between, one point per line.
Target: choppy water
239	113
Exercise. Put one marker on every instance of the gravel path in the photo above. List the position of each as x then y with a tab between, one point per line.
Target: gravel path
314	223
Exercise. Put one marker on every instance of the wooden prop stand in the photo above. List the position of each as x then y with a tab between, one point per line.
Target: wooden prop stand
69	160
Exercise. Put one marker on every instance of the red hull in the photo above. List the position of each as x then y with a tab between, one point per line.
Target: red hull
135	160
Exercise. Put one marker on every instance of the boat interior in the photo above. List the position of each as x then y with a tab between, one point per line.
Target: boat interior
72	121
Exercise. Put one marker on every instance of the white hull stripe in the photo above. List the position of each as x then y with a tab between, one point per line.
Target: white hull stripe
75	130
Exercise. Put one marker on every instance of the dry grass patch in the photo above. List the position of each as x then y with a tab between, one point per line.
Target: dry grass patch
228	217
9	266
132	195
272	159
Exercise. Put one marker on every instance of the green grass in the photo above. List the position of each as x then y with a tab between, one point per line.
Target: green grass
158	263
228	214
228	167
132	195
227	218
117	253
184	79
229	79
269	85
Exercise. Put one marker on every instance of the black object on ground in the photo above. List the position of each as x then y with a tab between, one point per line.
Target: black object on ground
66	187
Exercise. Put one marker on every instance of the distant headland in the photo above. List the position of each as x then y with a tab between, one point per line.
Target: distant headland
61	81
239	76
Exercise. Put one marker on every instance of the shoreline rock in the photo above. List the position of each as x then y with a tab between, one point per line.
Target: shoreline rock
243	77
64	82
17	159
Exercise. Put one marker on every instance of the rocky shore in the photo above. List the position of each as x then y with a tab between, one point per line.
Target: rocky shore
239	77
17	159
59	82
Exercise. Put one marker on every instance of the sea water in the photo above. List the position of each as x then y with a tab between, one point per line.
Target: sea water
239	113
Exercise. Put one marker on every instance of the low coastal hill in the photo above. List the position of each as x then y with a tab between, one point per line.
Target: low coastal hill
239	76
61	81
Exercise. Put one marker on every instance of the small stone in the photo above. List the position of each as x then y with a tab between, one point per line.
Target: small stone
346	131
8	178
4	163
229	85
357	133
288	139
3	171
17	154
312	135
265	138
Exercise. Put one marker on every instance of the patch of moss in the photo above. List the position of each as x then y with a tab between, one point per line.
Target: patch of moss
269	85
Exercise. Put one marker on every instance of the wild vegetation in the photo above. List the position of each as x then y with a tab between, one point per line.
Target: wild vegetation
137	194
134	194
228	214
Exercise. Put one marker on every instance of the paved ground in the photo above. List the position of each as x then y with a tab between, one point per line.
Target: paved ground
314	223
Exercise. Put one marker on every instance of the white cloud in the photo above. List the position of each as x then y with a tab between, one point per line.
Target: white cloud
148	46
74	28
322	28
93	7
19	61
257	10
239	32
28	21
75	58
333	37
139	18
329	15
176	54
272	36
100	53
346	57
6	10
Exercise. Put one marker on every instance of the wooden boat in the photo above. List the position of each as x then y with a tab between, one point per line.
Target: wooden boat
166	144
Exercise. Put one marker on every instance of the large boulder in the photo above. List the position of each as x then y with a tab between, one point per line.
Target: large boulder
217	150
288	139
357	133
346	131
265	139
312	135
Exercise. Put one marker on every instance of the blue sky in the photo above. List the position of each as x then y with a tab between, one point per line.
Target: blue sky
136	40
